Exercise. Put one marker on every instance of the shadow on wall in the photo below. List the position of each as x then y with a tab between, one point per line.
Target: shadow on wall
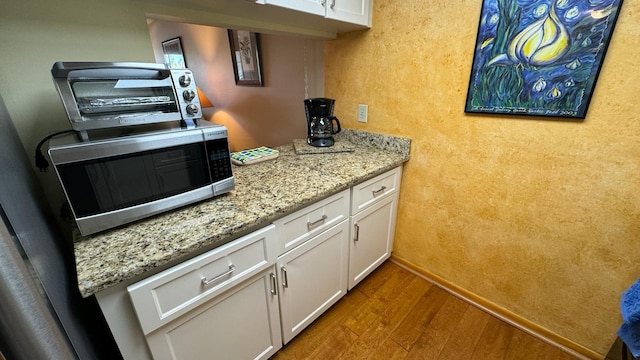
262	123
270	115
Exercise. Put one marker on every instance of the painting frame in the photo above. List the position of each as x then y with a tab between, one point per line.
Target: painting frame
245	57
542	58
174	54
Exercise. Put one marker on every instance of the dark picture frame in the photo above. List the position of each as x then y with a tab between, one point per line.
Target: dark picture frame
541	58
173	53
245	57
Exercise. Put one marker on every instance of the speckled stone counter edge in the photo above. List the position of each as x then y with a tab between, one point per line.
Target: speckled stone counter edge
109	258
383	142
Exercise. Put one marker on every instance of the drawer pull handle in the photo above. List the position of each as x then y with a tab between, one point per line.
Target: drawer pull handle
381	190
357	235
311	225
274	284
285	280
206	282
333	3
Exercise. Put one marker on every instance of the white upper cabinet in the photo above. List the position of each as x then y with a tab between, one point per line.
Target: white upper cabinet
309	6
350	11
319	19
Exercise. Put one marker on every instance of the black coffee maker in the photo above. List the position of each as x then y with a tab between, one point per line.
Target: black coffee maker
320	121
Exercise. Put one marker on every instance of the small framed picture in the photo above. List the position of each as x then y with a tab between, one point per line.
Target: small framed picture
245	56
173	55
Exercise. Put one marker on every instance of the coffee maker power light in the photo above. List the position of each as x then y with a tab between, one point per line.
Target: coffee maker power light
320	121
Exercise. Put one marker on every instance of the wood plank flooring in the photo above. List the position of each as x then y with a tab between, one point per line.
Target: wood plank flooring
394	314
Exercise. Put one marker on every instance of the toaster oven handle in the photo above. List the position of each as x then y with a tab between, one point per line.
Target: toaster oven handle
61	69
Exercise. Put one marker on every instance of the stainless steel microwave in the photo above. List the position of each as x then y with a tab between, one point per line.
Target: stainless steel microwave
117	180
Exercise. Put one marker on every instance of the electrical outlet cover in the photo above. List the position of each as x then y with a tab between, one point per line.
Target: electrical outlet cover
362	112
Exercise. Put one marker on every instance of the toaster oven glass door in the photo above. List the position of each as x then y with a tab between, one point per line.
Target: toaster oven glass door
97	99
114	183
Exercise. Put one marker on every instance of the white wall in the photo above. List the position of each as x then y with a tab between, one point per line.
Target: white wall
36	33
270	115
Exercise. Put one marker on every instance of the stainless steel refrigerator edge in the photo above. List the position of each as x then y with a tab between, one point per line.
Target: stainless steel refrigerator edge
42	315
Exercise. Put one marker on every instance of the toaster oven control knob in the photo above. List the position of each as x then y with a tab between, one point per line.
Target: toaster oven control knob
192	109
189	95
185	80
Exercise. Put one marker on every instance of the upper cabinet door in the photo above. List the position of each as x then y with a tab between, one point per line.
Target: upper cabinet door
351	11
309	6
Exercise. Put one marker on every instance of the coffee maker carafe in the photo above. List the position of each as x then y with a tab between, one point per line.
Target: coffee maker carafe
321	124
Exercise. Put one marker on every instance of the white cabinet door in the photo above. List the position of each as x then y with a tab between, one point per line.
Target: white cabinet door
166	296
312	277
309	6
371	240
243	323
351	11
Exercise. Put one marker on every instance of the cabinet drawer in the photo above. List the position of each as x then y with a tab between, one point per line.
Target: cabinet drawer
300	226
372	190
169	294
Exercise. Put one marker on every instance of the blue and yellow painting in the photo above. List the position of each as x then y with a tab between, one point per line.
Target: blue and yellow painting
539	57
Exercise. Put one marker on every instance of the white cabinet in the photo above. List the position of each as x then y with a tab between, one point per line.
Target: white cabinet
373	208
246	298
351	11
316	7
165	296
372	240
317	264
243	323
313	276
210	305
313	261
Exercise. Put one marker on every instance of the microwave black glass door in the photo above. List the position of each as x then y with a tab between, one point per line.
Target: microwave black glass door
103	185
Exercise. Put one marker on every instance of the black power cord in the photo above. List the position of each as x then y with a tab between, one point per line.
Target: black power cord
41	162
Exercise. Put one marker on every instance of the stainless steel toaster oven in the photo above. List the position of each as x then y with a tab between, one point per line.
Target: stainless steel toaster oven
98	95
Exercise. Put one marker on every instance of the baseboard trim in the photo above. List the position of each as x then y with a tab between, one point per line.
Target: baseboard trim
521	323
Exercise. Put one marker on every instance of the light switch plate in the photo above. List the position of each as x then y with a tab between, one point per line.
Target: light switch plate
362	113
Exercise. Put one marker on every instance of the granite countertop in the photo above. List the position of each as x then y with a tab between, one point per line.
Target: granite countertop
263	192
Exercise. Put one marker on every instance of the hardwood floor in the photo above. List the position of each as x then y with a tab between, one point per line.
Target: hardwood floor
394	314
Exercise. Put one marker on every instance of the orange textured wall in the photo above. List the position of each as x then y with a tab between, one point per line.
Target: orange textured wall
539	216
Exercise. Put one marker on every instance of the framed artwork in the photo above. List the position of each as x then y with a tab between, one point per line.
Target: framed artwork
245	56
173	55
539	57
